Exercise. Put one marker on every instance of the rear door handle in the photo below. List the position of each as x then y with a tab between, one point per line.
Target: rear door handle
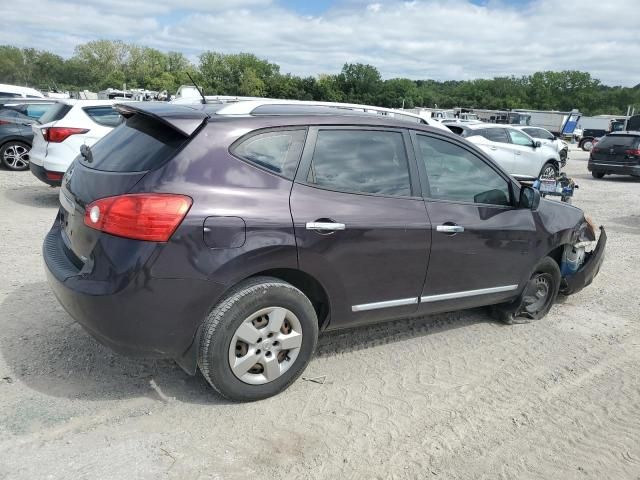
326	226
450	228
493	148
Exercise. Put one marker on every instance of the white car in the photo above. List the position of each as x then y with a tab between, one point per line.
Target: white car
523	157
15	91
547	138
57	143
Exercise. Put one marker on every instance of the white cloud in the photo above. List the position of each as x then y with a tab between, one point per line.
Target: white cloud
417	39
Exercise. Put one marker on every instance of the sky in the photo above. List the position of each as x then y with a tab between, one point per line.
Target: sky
419	39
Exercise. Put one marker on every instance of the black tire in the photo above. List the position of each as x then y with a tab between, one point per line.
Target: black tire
597	174
15	155
229	314
521	310
586	144
548	167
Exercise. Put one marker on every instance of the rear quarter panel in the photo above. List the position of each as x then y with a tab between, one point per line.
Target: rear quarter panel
224	186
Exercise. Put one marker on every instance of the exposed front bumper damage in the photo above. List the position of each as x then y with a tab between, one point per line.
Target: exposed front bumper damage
574	282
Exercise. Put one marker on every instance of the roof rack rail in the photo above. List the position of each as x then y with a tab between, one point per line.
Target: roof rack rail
246	106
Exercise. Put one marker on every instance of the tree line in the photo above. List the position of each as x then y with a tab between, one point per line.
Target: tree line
100	64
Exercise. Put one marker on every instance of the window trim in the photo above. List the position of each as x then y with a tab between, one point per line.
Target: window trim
424	179
310	147
261	131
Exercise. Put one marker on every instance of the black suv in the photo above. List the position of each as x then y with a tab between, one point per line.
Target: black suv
228	237
616	153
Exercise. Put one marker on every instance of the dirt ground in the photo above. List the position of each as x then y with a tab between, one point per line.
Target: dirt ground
452	396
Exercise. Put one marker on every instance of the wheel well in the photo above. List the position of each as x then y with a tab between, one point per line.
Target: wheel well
556	254
307	285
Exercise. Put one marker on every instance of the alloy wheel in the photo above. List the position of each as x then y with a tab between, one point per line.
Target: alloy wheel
549	172
16	156
265	345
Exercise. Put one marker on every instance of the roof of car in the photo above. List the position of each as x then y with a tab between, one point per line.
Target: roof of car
625	132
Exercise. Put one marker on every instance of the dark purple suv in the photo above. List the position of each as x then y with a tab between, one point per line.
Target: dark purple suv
228	242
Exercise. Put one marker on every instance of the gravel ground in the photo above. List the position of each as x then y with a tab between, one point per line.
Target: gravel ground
447	396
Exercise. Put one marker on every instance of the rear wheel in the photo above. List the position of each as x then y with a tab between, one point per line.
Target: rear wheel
597	174
549	171
15	155
258	340
536	299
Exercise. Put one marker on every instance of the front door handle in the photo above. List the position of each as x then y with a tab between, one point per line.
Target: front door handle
450	228
326	226
493	148
518	153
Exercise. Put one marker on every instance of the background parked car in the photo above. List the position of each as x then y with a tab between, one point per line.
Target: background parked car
548	138
522	156
16	91
16	119
616	153
64	129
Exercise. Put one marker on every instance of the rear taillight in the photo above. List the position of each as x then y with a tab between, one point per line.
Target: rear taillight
595	149
633	151
60	134
54	175
5	122
141	216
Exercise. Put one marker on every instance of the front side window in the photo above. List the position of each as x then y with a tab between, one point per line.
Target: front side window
456	174
361	161
519	138
278	151
539	133
495	135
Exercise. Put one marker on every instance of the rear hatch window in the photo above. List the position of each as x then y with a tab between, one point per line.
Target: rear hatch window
56	112
106	115
625	141
139	144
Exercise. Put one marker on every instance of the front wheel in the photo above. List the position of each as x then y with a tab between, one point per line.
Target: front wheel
258	339
549	171
597	174
15	155
536	299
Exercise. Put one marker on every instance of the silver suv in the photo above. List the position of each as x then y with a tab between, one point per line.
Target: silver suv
522	156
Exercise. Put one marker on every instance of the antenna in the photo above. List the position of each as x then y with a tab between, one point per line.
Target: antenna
204	100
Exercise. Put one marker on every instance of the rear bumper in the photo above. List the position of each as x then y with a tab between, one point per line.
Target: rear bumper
614	168
585	275
132	313
41	174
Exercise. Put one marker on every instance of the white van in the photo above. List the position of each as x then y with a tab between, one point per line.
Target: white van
14	91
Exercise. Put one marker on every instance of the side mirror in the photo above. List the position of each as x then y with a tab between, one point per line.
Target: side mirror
537	144
529	198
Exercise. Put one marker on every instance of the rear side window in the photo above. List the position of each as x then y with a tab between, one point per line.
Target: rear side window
277	151
361	161
139	144
56	112
618	141
494	134
106	115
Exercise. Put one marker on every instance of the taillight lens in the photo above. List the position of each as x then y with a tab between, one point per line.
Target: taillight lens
633	151
141	216
54	175
595	149
60	134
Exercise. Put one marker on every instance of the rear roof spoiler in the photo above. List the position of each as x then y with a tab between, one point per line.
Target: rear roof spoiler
181	118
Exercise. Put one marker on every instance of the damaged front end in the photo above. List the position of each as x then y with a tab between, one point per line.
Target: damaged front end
580	265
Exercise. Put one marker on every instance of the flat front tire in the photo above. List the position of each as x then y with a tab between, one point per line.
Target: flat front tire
258	340
536	299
